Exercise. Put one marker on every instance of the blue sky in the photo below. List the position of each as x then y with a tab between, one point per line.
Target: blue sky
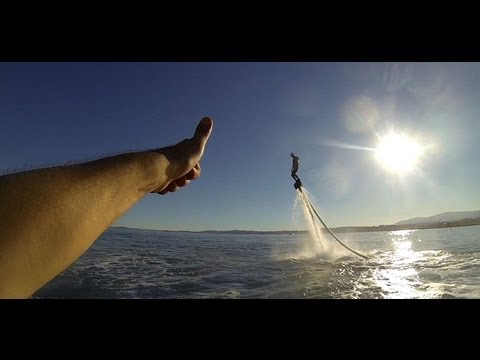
327	113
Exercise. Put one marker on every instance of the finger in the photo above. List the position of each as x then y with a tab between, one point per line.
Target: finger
172	187
194	173
182	181
175	185
203	130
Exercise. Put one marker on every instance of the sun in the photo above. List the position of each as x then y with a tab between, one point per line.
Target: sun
398	153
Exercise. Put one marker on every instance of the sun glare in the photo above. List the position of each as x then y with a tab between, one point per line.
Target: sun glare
398	153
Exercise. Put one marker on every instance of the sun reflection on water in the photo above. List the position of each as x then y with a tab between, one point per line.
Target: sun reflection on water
400	279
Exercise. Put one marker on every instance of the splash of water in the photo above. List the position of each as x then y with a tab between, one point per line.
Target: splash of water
317	243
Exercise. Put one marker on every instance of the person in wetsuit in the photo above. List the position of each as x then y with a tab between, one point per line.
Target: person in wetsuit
295	164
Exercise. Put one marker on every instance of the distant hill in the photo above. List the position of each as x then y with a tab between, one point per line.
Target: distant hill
443	217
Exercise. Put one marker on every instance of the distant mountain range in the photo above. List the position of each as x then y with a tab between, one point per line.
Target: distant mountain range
443	217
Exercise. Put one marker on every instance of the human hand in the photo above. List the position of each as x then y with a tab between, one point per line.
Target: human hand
184	158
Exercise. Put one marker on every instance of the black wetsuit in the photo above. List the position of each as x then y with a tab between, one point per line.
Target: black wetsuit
296	160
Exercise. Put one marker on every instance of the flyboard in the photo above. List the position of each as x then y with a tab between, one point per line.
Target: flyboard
298	186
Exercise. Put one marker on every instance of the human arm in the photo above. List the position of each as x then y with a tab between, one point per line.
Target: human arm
50	217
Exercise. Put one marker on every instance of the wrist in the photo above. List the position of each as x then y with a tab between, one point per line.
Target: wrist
155	167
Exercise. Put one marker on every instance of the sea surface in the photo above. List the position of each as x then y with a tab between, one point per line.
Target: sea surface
132	263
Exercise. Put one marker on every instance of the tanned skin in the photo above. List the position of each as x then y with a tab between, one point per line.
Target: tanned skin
50	217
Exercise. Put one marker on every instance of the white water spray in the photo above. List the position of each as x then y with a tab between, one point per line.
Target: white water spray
317	243
320	244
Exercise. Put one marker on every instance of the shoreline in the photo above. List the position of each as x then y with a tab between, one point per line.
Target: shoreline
341	229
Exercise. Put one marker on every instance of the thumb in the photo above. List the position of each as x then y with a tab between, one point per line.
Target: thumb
203	130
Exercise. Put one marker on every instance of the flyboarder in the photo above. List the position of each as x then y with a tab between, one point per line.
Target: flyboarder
295	163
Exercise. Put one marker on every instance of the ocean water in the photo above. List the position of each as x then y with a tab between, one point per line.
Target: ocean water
131	263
